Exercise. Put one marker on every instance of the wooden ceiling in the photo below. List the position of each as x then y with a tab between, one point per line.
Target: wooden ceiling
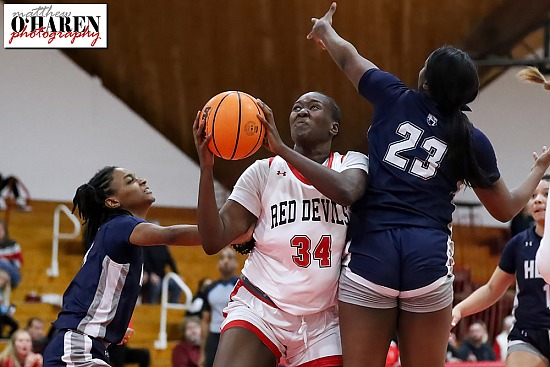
166	58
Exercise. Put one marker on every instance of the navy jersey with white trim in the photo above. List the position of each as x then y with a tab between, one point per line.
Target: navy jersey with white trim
532	303
101	298
411	183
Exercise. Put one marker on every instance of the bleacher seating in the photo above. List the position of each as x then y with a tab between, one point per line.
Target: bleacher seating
33	230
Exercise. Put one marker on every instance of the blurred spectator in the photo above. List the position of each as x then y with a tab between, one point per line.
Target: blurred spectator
37	331
155	261
501	340
522	221
198	299
6	309
216	298
452	349
11	187
11	257
19	352
475	347
187	353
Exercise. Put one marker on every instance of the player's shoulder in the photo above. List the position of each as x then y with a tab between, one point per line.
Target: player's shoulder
481	141
259	167
522	238
352	154
122	221
351	159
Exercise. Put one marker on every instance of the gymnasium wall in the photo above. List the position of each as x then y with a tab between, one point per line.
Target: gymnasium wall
516	118
59	125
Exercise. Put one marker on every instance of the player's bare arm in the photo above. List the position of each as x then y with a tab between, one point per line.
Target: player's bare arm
343	53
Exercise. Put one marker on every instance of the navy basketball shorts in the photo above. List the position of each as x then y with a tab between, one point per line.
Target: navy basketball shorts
72	348
410	268
534	341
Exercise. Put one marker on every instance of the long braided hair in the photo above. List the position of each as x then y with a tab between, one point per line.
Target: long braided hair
453	82
89	200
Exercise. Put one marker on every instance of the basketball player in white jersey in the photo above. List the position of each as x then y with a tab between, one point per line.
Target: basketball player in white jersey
284	305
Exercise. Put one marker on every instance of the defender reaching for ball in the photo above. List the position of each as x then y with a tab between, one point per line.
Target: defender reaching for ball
285	303
422	148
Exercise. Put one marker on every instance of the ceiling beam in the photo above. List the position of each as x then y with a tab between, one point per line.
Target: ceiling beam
509	23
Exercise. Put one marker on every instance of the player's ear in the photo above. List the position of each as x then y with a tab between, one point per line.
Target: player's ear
335	128
112	203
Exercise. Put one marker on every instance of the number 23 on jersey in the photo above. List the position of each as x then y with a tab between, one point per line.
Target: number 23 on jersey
412	135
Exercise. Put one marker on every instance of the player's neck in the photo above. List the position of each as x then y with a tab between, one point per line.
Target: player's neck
319	155
539	229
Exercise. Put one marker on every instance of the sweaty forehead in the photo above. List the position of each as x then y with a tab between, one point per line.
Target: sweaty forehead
312	97
122	172
543	184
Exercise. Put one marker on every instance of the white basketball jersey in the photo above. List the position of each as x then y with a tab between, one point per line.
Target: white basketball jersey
300	234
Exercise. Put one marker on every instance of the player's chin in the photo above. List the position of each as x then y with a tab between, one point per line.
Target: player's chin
539	215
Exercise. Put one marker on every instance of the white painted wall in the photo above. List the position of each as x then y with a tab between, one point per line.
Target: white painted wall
516	118
59	126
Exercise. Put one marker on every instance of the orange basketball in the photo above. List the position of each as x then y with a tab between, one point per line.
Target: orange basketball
231	118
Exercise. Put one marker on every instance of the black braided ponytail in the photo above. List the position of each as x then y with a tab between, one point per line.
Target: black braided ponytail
453	82
89	200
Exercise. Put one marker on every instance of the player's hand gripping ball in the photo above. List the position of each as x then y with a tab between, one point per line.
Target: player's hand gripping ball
231	118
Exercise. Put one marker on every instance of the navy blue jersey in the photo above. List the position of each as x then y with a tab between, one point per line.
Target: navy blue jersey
531	306
411	183
101	298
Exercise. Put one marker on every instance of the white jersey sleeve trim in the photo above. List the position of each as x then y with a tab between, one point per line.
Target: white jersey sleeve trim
354	159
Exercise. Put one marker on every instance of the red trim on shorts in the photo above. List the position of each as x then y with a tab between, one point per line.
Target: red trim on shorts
329	361
233	292
268	343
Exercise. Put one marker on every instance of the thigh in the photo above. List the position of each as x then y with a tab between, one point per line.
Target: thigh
240	347
524	359
366	334
423	337
534	342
